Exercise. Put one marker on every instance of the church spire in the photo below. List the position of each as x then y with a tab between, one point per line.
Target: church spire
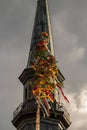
41	24
42	80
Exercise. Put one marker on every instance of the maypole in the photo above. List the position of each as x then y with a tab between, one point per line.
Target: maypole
45	79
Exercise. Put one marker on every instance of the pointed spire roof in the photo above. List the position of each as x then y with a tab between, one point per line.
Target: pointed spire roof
41	24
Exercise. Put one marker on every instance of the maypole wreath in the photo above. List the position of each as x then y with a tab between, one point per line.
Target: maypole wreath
45	79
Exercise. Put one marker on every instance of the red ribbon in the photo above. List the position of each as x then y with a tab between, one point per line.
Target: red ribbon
62	93
41	43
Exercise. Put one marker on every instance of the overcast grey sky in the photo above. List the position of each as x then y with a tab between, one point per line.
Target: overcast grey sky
69	28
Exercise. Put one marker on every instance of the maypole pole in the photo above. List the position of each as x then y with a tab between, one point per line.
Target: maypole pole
38	117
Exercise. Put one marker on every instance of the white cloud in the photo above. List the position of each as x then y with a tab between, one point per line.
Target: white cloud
83	100
78	114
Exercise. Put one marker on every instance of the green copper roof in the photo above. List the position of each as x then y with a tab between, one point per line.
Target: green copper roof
41	24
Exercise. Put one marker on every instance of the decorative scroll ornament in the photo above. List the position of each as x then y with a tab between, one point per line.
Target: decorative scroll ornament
46	72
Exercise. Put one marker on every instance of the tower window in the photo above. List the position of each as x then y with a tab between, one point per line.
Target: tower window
25	93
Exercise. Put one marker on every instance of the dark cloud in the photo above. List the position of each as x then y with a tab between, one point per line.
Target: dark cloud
70	32
14	22
69	21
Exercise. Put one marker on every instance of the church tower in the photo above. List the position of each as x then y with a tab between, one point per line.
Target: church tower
41	108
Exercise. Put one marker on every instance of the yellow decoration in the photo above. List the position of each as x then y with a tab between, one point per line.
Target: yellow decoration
46	72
